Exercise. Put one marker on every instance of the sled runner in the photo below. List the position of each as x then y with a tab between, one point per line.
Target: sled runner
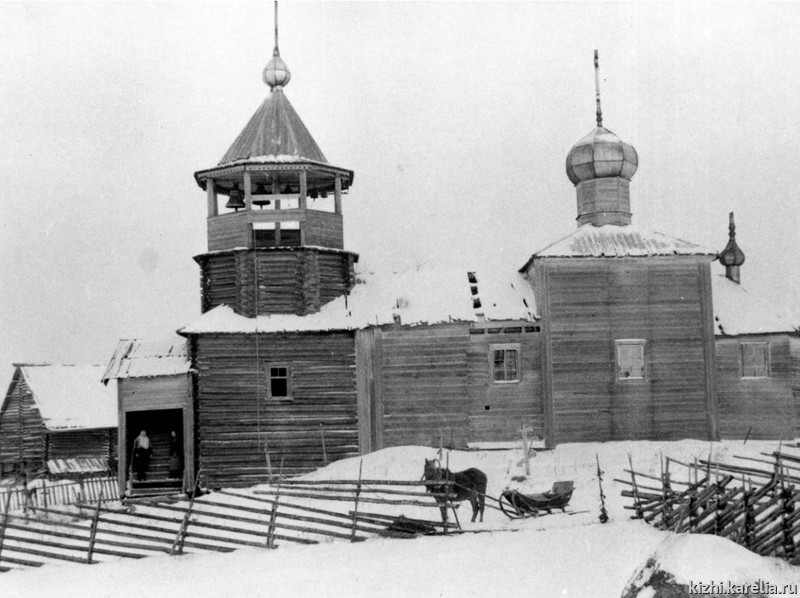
517	505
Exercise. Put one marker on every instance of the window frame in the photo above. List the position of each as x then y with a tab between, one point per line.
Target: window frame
629	342
764	345
289	387
517	348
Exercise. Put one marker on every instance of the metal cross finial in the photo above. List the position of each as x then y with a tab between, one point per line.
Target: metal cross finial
275	51
597	88
731	226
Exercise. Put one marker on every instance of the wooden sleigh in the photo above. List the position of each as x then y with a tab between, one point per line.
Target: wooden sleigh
517	505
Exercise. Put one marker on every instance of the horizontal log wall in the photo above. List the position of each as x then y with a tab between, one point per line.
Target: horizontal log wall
324	229
764	408
424	385
510	405
586	305
22	431
296	281
72	444
237	423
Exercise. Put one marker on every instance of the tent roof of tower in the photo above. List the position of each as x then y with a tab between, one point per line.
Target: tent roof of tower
275	135
618	241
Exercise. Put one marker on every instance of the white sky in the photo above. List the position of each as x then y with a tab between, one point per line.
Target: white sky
456	118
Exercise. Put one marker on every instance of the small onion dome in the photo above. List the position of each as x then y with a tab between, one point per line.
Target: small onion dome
276	73
601	154
731	255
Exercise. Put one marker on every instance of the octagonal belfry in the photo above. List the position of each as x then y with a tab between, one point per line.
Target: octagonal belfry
275	226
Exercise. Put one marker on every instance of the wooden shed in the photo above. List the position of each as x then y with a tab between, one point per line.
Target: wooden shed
154	394
59	420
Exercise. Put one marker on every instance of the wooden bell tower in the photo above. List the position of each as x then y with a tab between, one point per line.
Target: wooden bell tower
275	227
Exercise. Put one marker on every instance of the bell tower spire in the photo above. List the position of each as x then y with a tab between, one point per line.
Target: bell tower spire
732	257
597	88
282	221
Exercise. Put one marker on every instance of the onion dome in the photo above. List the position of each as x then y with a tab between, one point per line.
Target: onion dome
276	73
731	255
601	154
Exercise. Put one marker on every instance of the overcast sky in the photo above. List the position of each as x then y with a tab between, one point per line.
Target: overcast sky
455	117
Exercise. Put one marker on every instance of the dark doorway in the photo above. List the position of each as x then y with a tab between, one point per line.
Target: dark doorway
159	425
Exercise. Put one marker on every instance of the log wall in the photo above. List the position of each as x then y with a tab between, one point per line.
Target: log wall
429	384
764	408
293	281
72	444
589	303
22	431
236	422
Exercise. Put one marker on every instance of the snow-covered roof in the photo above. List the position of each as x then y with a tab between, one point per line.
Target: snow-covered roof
71	396
619	241
416	297
739	311
145	359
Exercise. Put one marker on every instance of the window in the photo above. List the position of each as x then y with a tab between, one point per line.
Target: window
755	360
504	363
630	359
279	381
277	234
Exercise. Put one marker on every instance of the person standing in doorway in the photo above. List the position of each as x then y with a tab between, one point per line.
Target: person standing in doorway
140	461
175	456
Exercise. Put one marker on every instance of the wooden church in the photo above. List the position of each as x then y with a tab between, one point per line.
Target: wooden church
614	332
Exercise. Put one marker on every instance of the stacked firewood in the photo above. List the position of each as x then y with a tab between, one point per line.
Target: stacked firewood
753	505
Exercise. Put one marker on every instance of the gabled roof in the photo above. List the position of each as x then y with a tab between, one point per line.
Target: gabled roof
739	311
618	241
274	133
145	359
411	298
71	396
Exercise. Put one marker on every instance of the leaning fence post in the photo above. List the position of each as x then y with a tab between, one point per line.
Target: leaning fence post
324	451
93	532
5	520
181	535
273	516
603	512
355	507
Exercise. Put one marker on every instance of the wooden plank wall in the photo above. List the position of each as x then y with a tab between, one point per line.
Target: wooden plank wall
235	229
510	406
324	229
424	385
587	304
237	423
22	431
766	408
295	281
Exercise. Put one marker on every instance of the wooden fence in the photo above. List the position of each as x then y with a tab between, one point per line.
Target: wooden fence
221	522
753	502
59	492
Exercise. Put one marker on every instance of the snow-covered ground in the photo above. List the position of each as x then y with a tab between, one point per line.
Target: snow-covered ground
551	556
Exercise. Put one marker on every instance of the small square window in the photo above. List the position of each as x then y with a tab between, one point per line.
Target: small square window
630	359
279	382
755	361
504	363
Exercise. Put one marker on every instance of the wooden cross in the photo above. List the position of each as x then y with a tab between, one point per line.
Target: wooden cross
527	452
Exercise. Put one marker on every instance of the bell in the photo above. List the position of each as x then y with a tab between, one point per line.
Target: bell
235	200
261	189
313	194
261	202
323	194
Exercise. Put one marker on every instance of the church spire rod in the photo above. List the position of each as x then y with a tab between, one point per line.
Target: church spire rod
276	74
275	50
596	88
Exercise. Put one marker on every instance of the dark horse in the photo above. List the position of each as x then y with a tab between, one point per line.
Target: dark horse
468	484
